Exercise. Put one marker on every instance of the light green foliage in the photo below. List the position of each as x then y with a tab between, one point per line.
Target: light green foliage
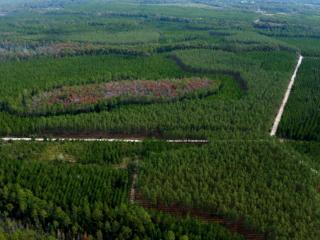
34	75
309	46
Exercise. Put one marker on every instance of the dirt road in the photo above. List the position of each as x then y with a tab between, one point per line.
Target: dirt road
285	99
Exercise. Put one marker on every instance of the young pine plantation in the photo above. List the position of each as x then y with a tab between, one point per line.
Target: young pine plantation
125	86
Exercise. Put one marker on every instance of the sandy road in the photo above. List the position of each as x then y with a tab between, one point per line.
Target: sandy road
27	139
285	99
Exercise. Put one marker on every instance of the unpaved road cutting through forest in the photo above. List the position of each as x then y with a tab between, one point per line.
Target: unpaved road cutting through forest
285	99
27	139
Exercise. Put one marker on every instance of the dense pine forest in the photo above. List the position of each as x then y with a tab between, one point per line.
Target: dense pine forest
222	114
59	190
258	181
302	118
100	101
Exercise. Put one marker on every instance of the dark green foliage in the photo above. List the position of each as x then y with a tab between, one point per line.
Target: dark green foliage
68	199
261	182
84	153
68	184
311	150
301	120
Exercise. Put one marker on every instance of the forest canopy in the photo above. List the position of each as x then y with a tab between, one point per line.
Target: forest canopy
151	119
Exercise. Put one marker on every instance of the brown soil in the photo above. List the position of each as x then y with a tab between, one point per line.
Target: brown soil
128	90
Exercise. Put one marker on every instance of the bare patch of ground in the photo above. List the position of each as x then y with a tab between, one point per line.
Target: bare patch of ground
74	98
55	153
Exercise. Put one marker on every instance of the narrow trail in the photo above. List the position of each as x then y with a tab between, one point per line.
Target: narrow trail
285	99
132	197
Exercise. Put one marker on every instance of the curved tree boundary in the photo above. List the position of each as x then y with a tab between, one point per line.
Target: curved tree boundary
106	105
242	83
80	49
